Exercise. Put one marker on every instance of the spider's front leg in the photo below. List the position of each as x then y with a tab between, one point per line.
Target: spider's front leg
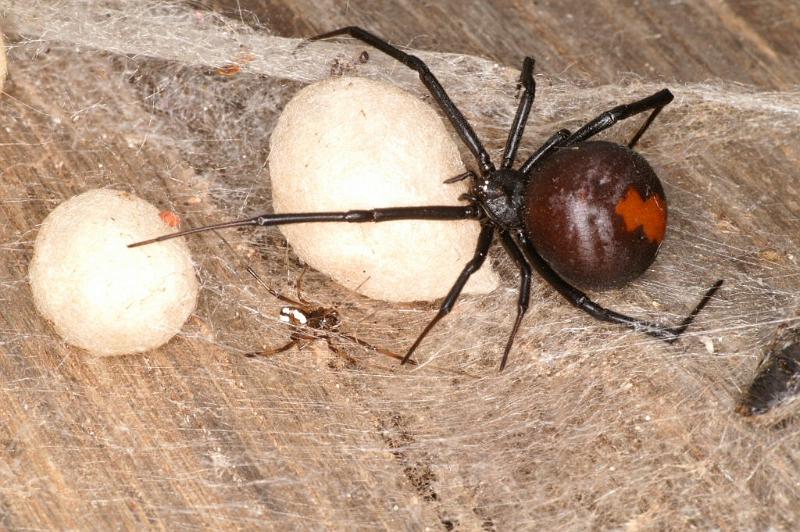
462	127
523	110
388	214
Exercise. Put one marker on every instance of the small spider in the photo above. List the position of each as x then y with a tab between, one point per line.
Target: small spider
311	323
579	212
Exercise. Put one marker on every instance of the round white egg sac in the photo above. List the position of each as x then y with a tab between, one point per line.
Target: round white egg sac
101	295
353	143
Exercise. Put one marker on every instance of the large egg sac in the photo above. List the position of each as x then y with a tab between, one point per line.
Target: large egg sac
352	143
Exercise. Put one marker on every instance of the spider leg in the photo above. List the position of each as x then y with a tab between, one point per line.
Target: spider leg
429	212
462	127
255	276
271	352
271	290
524	289
558	139
371	347
582	301
459	177
299	284
521	118
643	128
654	102
340	352
481	251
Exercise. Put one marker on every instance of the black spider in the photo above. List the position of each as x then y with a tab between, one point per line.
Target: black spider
579	213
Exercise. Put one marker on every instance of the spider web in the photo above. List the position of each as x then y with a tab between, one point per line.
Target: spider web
590	423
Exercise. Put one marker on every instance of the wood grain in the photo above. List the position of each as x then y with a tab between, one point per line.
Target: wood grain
193	436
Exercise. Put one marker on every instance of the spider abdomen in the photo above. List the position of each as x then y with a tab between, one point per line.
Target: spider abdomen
596	212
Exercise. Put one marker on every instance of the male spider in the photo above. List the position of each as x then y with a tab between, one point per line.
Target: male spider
319	323
311	322
577	212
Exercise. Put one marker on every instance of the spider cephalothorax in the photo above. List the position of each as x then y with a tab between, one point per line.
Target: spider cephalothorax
501	197
579	212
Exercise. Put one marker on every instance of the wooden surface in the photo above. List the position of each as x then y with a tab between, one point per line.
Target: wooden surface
195	436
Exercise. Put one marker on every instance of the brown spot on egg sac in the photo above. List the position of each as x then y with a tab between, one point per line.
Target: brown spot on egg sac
170	218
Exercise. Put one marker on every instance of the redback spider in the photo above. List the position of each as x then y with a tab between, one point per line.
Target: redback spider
311	322
579	212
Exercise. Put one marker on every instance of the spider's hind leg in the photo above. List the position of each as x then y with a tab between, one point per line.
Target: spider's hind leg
582	301
654	102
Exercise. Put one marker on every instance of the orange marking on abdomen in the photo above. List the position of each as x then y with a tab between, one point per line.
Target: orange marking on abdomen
650	215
